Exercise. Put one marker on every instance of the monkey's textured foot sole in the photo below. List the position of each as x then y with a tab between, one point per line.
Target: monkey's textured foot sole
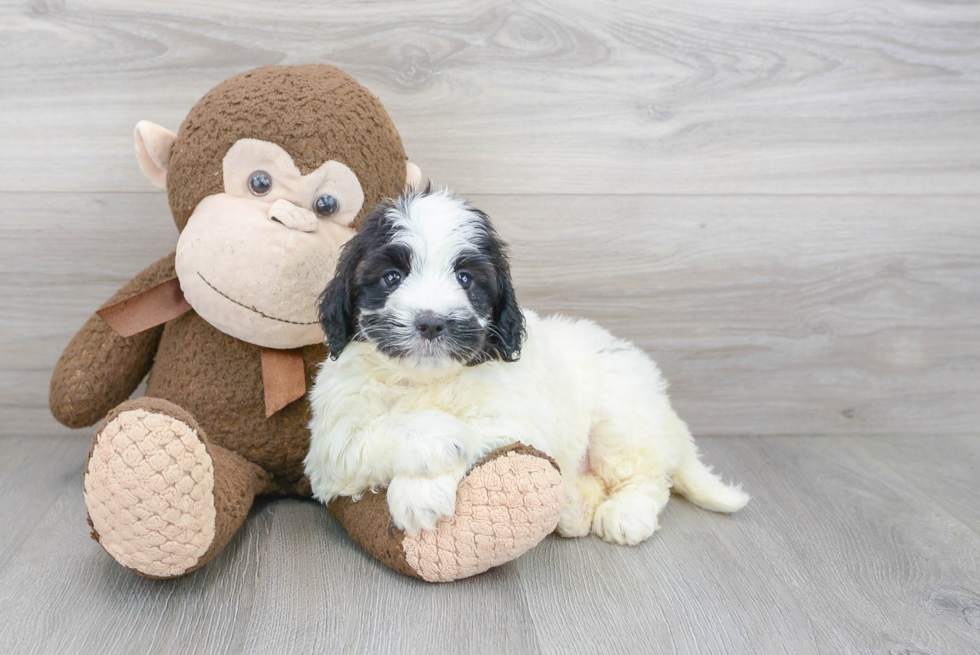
149	488
504	507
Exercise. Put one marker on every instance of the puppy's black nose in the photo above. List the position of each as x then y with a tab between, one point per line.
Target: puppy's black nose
429	325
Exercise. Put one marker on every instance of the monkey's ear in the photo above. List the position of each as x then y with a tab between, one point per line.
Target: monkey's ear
154	145
413	176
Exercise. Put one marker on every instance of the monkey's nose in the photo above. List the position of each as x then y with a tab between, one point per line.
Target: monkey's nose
293	217
430	325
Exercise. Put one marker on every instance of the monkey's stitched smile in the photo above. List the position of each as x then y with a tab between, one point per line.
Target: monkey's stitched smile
252	309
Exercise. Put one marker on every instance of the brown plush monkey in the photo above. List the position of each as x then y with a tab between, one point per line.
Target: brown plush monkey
266	179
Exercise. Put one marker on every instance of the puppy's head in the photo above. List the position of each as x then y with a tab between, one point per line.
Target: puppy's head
427	281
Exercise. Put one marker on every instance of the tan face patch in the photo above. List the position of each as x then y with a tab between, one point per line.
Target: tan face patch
253	260
332	178
316	113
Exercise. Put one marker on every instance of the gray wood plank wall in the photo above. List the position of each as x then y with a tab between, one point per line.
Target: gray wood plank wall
778	201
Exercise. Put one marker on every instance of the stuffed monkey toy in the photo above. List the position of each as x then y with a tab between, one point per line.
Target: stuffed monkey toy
267	179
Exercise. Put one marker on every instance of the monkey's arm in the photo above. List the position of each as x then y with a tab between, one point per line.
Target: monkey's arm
99	369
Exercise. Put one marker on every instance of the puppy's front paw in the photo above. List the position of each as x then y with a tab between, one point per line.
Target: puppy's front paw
625	520
419	503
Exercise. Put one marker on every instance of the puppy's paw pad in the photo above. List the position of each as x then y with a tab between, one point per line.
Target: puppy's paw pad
420	503
625	521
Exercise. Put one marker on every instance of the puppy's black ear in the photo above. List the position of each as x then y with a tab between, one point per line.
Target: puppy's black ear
338	302
508	322
507	331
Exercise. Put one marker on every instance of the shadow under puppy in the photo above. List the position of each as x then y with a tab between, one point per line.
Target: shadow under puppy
434	364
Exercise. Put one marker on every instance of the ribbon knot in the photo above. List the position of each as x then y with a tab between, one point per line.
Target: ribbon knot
283	371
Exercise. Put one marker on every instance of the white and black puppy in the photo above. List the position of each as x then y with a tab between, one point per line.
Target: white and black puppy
434	365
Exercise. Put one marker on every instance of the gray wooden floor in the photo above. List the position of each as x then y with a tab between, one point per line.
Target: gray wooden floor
850	545
779	201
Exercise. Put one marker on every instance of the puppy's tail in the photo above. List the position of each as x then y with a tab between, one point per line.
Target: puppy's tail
698	484
695	481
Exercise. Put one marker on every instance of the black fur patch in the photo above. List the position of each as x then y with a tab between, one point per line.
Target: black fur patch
352	305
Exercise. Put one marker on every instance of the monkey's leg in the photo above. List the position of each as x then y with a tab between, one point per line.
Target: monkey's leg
505	506
162	501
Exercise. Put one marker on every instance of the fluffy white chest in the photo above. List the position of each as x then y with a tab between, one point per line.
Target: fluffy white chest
542	400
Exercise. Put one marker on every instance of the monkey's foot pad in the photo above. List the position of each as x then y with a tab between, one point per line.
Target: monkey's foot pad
504	507
149	487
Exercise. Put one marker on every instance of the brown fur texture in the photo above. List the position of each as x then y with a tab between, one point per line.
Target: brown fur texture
201	376
315	112
99	369
369	524
218	379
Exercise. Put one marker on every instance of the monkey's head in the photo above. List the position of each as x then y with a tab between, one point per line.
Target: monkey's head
267	179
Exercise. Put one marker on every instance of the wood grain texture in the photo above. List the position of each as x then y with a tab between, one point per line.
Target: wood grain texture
769	315
874	563
60	593
836	553
347	602
33	473
955	488
778	201
544	97
58	268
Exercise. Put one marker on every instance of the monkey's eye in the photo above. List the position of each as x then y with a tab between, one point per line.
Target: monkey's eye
465	279
326	205
391	279
260	183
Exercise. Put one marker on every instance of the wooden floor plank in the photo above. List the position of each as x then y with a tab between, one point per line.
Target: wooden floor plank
34	472
802	315
61	593
874	563
290	582
948	470
835	553
548	97
348	602
698	586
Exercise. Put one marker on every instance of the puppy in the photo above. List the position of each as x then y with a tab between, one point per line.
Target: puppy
434	364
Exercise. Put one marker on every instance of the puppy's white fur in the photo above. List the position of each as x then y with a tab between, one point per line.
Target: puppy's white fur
595	403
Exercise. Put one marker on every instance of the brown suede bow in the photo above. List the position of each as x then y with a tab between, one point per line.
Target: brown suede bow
283	373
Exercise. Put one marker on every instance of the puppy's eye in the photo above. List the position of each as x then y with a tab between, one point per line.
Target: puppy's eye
260	183
391	279
326	205
465	279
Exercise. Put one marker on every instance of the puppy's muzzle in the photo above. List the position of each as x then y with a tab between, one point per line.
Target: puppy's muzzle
430	325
